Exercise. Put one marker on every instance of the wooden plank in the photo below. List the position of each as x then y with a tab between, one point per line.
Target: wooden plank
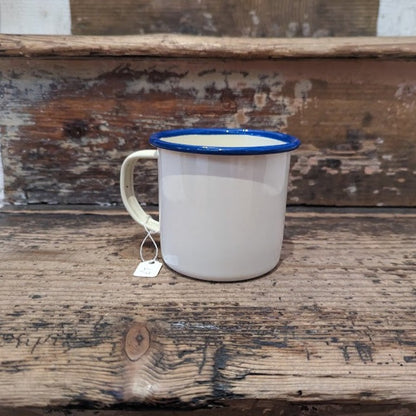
232	408
69	123
334	322
268	18
168	45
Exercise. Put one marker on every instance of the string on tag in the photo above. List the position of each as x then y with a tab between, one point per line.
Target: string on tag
149	235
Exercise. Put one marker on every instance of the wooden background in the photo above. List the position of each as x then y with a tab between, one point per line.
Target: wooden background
69	122
256	18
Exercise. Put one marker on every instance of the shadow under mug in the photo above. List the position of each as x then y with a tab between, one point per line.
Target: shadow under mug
222	200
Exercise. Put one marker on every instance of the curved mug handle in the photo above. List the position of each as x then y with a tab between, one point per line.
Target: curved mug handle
127	189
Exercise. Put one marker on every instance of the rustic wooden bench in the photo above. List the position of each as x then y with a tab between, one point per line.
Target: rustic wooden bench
331	330
335	322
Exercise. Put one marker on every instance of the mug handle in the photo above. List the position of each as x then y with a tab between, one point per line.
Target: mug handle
127	189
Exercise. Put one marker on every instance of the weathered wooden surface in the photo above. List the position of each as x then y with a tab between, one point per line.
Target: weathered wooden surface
67	124
336	321
180	46
269	18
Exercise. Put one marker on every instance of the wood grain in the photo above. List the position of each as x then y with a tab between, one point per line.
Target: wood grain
67	124
334	322
173	45
267	18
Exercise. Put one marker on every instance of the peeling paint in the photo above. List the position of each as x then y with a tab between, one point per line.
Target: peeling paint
254	18
260	100
292	29
302	89
370	170
405	91
276	89
351	189
304	164
209	25
330	171
392	189
306	29
238	119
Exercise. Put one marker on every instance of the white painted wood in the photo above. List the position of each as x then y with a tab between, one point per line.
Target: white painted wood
396	18
40	17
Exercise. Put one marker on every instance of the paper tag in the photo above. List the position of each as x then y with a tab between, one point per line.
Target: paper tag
149	268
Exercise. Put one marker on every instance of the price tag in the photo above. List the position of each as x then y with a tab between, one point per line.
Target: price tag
149	268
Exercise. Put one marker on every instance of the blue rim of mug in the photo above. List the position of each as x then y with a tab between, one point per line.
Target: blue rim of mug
289	142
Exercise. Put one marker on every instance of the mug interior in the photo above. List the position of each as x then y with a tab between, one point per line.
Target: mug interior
222	140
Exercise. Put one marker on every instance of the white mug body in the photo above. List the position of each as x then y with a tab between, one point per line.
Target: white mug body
222	216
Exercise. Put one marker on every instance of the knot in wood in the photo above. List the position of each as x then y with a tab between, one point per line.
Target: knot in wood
137	341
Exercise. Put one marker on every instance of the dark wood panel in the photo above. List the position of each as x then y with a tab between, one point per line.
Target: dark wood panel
335	322
68	124
254	18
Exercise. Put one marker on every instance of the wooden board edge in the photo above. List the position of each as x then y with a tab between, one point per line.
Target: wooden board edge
182	46
291	211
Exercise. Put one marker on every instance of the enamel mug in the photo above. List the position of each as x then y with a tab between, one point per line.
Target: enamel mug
222	200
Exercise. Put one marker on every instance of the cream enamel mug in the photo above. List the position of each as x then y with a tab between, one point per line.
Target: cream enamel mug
222	200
